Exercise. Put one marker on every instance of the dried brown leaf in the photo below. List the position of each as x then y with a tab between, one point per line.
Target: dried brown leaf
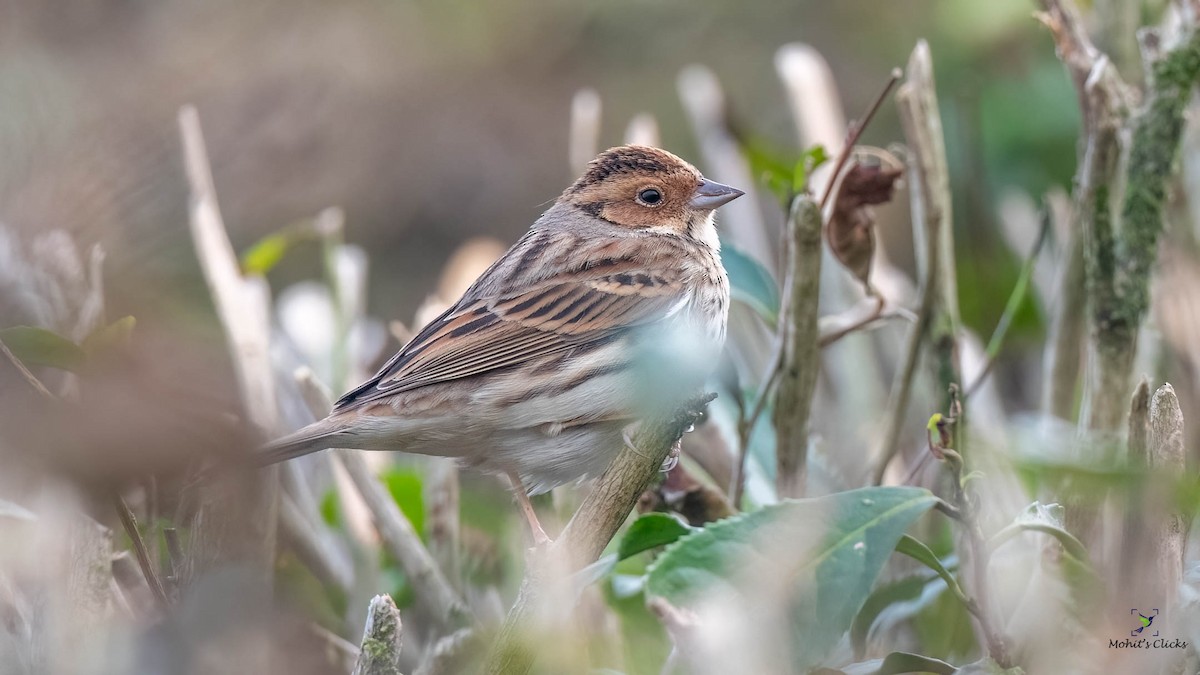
850	231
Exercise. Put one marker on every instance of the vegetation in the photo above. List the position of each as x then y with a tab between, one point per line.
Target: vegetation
863	488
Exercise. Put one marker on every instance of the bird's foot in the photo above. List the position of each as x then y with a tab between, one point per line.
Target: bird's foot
540	538
672	457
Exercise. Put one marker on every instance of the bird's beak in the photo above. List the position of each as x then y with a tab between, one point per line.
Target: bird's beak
711	194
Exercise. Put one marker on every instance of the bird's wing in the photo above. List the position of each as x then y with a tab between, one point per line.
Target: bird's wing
510	316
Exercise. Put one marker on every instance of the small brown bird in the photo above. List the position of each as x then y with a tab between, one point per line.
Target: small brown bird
613	302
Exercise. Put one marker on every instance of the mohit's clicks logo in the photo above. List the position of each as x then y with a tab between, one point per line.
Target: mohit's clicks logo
1144	622
1144	629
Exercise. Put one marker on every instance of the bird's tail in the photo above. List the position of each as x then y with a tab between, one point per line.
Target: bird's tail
312	438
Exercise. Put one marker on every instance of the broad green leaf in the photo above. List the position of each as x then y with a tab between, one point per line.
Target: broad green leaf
944	629
650	531
106	338
405	487
828	551
920	552
893	602
751	284
40	347
643	639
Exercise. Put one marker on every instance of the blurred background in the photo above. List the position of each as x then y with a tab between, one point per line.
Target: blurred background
432	122
438	131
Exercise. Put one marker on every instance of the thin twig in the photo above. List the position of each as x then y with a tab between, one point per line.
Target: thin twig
875	314
1015	300
436	595
435	592
26	374
129	522
771	378
855	132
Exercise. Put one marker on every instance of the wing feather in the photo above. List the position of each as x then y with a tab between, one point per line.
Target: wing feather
509	318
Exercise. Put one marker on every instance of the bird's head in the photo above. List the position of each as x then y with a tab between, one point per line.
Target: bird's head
640	187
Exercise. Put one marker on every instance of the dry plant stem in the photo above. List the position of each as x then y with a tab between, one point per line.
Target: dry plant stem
831	336
591	528
1154	147
442	658
1133	538
380	650
800	361
129	522
1120	254
1066	338
980	555
854	133
1010	310
441	521
929	197
917	99
897	409
237	515
776	363
306	542
1102	101
28	376
1167	456
434	592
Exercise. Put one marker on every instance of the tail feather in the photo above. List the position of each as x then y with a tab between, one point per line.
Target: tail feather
312	438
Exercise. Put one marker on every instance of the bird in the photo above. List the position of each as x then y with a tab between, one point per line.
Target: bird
1145	621
613	302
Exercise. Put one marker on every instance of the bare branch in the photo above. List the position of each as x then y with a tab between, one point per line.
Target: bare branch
238	513
800	357
435	593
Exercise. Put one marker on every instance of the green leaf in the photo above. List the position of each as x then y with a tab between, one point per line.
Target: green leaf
331	508
643	638
776	172
405	487
905	596
903	662
650	531
987	667
40	347
751	284
921	553
266	253
1044	518
831	550
808	162
1087	589
895	663
107	338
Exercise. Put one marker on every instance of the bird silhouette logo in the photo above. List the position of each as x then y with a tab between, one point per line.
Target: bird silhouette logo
1144	622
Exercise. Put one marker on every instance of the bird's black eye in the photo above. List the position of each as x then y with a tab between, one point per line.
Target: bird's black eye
650	196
